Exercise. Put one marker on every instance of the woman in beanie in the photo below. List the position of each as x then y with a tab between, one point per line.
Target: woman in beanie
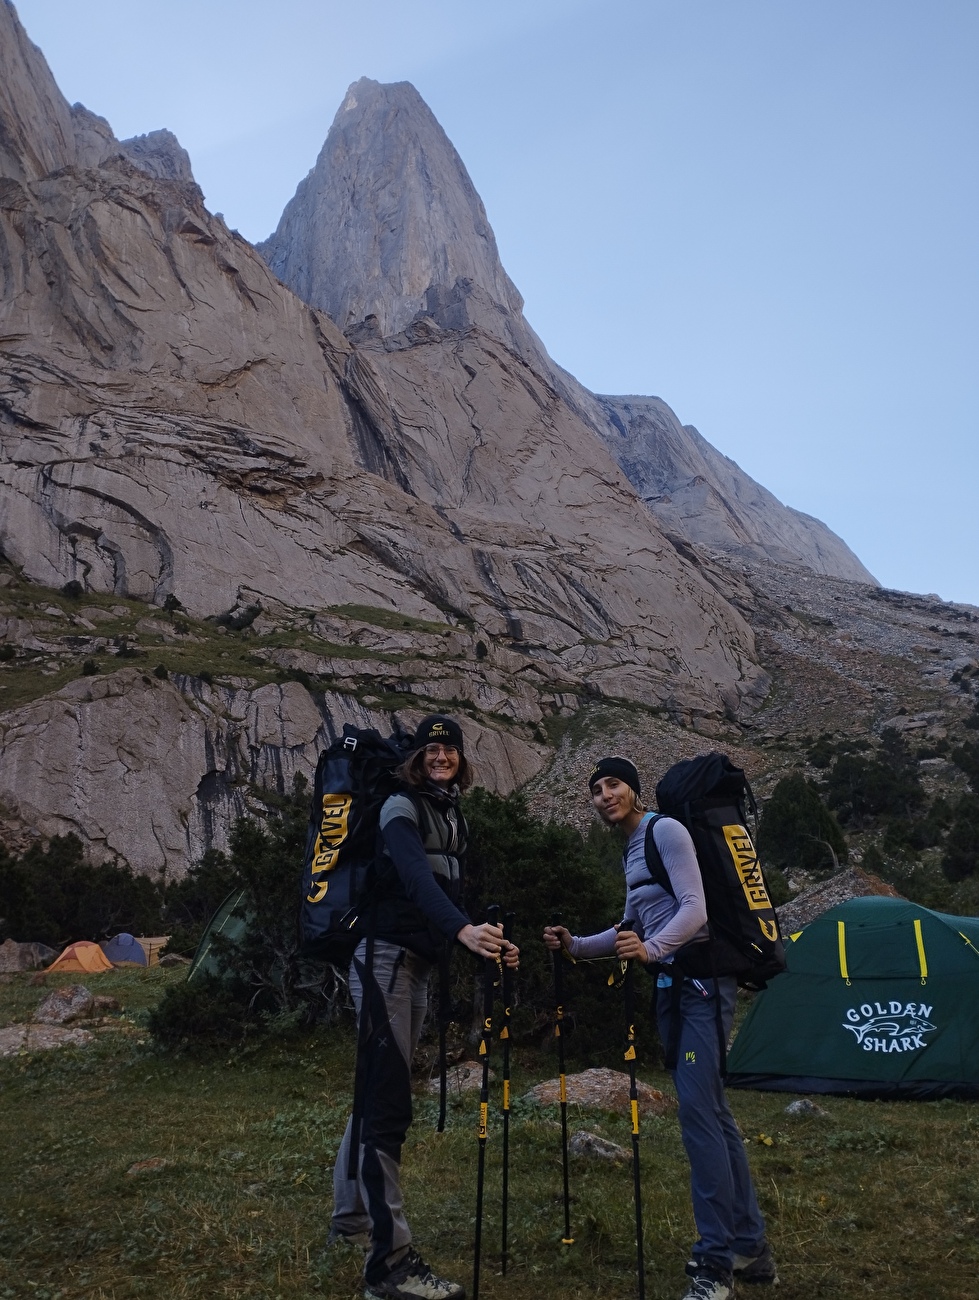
731	1230
418	916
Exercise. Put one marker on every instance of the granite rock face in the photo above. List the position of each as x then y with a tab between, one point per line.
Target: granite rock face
704	497
388	223
154	772
176	422
389	237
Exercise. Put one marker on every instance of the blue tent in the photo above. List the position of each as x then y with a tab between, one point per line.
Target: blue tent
124	950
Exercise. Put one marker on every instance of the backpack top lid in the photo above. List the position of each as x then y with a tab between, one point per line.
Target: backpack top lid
709	776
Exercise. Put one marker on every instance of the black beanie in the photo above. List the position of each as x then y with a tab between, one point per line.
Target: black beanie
617	767
437	729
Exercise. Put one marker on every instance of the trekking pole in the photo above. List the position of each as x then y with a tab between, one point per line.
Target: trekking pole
630	1056
505	1037
567	1239
489	985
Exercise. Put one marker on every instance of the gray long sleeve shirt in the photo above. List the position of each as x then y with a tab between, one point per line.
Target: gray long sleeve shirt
664	923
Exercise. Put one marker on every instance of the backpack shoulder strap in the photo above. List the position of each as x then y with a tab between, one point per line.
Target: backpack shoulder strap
658	874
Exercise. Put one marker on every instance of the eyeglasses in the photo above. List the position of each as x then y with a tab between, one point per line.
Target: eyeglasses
448	751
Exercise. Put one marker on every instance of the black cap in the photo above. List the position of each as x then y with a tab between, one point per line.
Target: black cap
437	729
617	767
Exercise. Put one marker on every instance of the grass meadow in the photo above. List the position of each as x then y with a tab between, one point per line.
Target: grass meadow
877	1199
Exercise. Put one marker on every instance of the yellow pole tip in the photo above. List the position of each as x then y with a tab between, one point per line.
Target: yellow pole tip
567	1241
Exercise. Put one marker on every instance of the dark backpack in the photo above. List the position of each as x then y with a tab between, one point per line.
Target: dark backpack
353	779
708	795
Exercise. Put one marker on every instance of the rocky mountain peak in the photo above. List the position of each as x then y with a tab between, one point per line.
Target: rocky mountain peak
388	224
389	237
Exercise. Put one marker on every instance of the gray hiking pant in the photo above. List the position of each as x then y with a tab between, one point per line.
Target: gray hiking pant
725	1208
397	1000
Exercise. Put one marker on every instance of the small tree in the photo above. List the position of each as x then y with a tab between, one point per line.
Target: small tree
52	895
961	857
797	830
861	789
534	869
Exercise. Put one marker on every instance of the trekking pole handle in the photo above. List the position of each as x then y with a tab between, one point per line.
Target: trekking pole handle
508	922
493	913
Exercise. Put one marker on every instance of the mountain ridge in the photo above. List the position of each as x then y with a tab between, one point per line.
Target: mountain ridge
177	426
387	232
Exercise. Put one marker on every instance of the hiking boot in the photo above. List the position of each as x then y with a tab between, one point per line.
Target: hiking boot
758	1268
412	1279
355	1240
708	1283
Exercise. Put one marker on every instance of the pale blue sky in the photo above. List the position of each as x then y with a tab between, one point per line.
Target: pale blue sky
763	211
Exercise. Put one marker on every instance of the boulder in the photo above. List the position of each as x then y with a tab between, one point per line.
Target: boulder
593	1147
466	1076
603	1089
24	956
63	1005
41	1038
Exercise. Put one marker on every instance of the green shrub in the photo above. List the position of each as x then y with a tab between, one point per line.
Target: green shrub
191	901
961	857
966	759
535	868
210	1011
862	789
797	830
52	895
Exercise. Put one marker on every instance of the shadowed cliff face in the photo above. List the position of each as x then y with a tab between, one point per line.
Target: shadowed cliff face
704	497
174	421
388	234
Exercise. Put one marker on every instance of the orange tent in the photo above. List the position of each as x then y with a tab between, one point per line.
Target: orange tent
82	956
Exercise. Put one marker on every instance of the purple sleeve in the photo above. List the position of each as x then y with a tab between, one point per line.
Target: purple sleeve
680	860
593	945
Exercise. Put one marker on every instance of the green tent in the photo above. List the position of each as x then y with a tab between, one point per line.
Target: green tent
231	921
880	999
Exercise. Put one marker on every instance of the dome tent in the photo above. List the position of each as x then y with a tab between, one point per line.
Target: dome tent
880	999
124	950
82	956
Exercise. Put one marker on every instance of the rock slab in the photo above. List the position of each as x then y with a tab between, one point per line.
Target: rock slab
16	956
40	1038
603	1089
62	1006
591	1146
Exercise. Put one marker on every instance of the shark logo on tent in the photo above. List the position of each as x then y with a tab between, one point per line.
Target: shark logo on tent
891	1027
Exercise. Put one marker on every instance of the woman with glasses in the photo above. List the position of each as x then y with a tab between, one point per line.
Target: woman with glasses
418	918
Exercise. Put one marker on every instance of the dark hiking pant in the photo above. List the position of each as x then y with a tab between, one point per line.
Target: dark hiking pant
725	1208
397	999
